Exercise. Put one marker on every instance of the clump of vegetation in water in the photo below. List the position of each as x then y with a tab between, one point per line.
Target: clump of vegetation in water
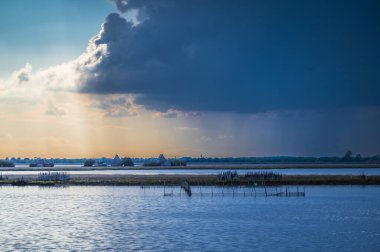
5	163
53	176
228	176
263	175
19	182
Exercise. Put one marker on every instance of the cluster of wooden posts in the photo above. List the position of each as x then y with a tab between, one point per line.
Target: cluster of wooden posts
253	190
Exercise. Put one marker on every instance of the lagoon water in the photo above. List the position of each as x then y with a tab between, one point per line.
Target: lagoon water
92	218
287	171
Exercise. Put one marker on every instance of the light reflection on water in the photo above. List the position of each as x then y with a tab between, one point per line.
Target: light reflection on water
329	218
314	171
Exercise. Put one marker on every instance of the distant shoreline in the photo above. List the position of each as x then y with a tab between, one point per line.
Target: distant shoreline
203	167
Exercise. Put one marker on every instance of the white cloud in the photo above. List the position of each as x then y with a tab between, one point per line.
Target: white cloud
25	85
23	75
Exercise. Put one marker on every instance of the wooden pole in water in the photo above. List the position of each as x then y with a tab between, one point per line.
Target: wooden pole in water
186	187
265	188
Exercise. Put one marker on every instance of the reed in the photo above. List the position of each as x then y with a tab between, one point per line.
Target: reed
169	180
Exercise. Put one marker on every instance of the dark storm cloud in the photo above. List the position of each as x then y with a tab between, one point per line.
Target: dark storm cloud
241	56
296	132
122	5
115	106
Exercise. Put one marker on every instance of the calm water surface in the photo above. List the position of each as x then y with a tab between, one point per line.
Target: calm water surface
335	218
314	171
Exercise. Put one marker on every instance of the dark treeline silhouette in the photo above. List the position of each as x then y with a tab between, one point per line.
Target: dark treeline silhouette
126	161
89	162
348	157
5	163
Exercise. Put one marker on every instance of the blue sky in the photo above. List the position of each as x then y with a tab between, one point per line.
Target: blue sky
47	32
221	78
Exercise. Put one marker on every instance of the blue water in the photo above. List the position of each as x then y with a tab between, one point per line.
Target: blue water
329	218
314	171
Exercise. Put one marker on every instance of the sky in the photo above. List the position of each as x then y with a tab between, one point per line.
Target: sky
94	78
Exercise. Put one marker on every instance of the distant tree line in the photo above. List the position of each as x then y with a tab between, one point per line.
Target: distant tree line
171	162
5	163
124	162
127	162
89	163
348	157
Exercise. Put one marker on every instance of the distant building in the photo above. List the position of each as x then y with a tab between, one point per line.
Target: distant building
163	161
116	161
39	162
